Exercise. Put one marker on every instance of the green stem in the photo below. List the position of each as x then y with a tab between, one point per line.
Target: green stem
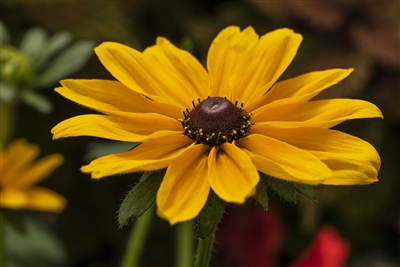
137	238
2	240
6	120
5	132
184	250
204	250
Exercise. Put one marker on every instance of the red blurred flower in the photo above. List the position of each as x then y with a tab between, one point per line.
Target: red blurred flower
327	249
256	239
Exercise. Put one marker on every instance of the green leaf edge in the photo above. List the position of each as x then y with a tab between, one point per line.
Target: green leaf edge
276	184
140	197
261	195
210	216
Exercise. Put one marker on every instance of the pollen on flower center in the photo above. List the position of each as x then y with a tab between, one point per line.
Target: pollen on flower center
215	121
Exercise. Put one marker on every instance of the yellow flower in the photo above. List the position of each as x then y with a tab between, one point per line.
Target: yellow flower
19	173
217	128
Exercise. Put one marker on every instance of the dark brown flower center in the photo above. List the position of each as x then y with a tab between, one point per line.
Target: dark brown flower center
215	121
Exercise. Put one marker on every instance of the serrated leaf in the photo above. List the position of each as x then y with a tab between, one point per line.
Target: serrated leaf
210	215
306	190
68	62
140	198
36	101
284	189
261	195
146	175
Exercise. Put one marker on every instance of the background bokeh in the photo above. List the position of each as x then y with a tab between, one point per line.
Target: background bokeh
337	34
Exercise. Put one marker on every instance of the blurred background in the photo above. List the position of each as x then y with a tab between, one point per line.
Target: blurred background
339	34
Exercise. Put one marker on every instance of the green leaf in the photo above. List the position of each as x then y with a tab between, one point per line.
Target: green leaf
261	195
55	44
14	219
210	215
65	64
38	246
4	36
140	198
7	92
36	101
33	44
286	190
306	190
58	41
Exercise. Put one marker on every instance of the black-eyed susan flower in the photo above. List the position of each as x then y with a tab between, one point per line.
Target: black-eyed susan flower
19	172
216	128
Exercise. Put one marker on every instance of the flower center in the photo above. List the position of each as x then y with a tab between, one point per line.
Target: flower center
215	121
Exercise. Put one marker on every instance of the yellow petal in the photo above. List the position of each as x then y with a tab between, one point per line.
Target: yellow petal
284	161
143	75
185	66
231	173
39	170
13	198
319	113
242	66
43	199
154	154
301	88
226	53
34	198
134	128
17	157
275	52
112	97
352	160
185	188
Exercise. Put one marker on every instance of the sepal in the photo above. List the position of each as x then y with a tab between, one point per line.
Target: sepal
288	191
261	195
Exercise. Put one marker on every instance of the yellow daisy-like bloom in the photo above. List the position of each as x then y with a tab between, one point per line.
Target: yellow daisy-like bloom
216	128
19	173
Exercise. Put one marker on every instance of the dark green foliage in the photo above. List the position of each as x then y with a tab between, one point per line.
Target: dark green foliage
288	191
210	215
306	190
141	197
261	195
14	219
284	189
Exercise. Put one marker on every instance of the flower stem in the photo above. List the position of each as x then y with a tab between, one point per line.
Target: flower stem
6	120
184	250
2	240
137	238
204	249
5	133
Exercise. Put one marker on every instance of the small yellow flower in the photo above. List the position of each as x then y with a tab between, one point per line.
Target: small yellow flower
216	128
19	173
